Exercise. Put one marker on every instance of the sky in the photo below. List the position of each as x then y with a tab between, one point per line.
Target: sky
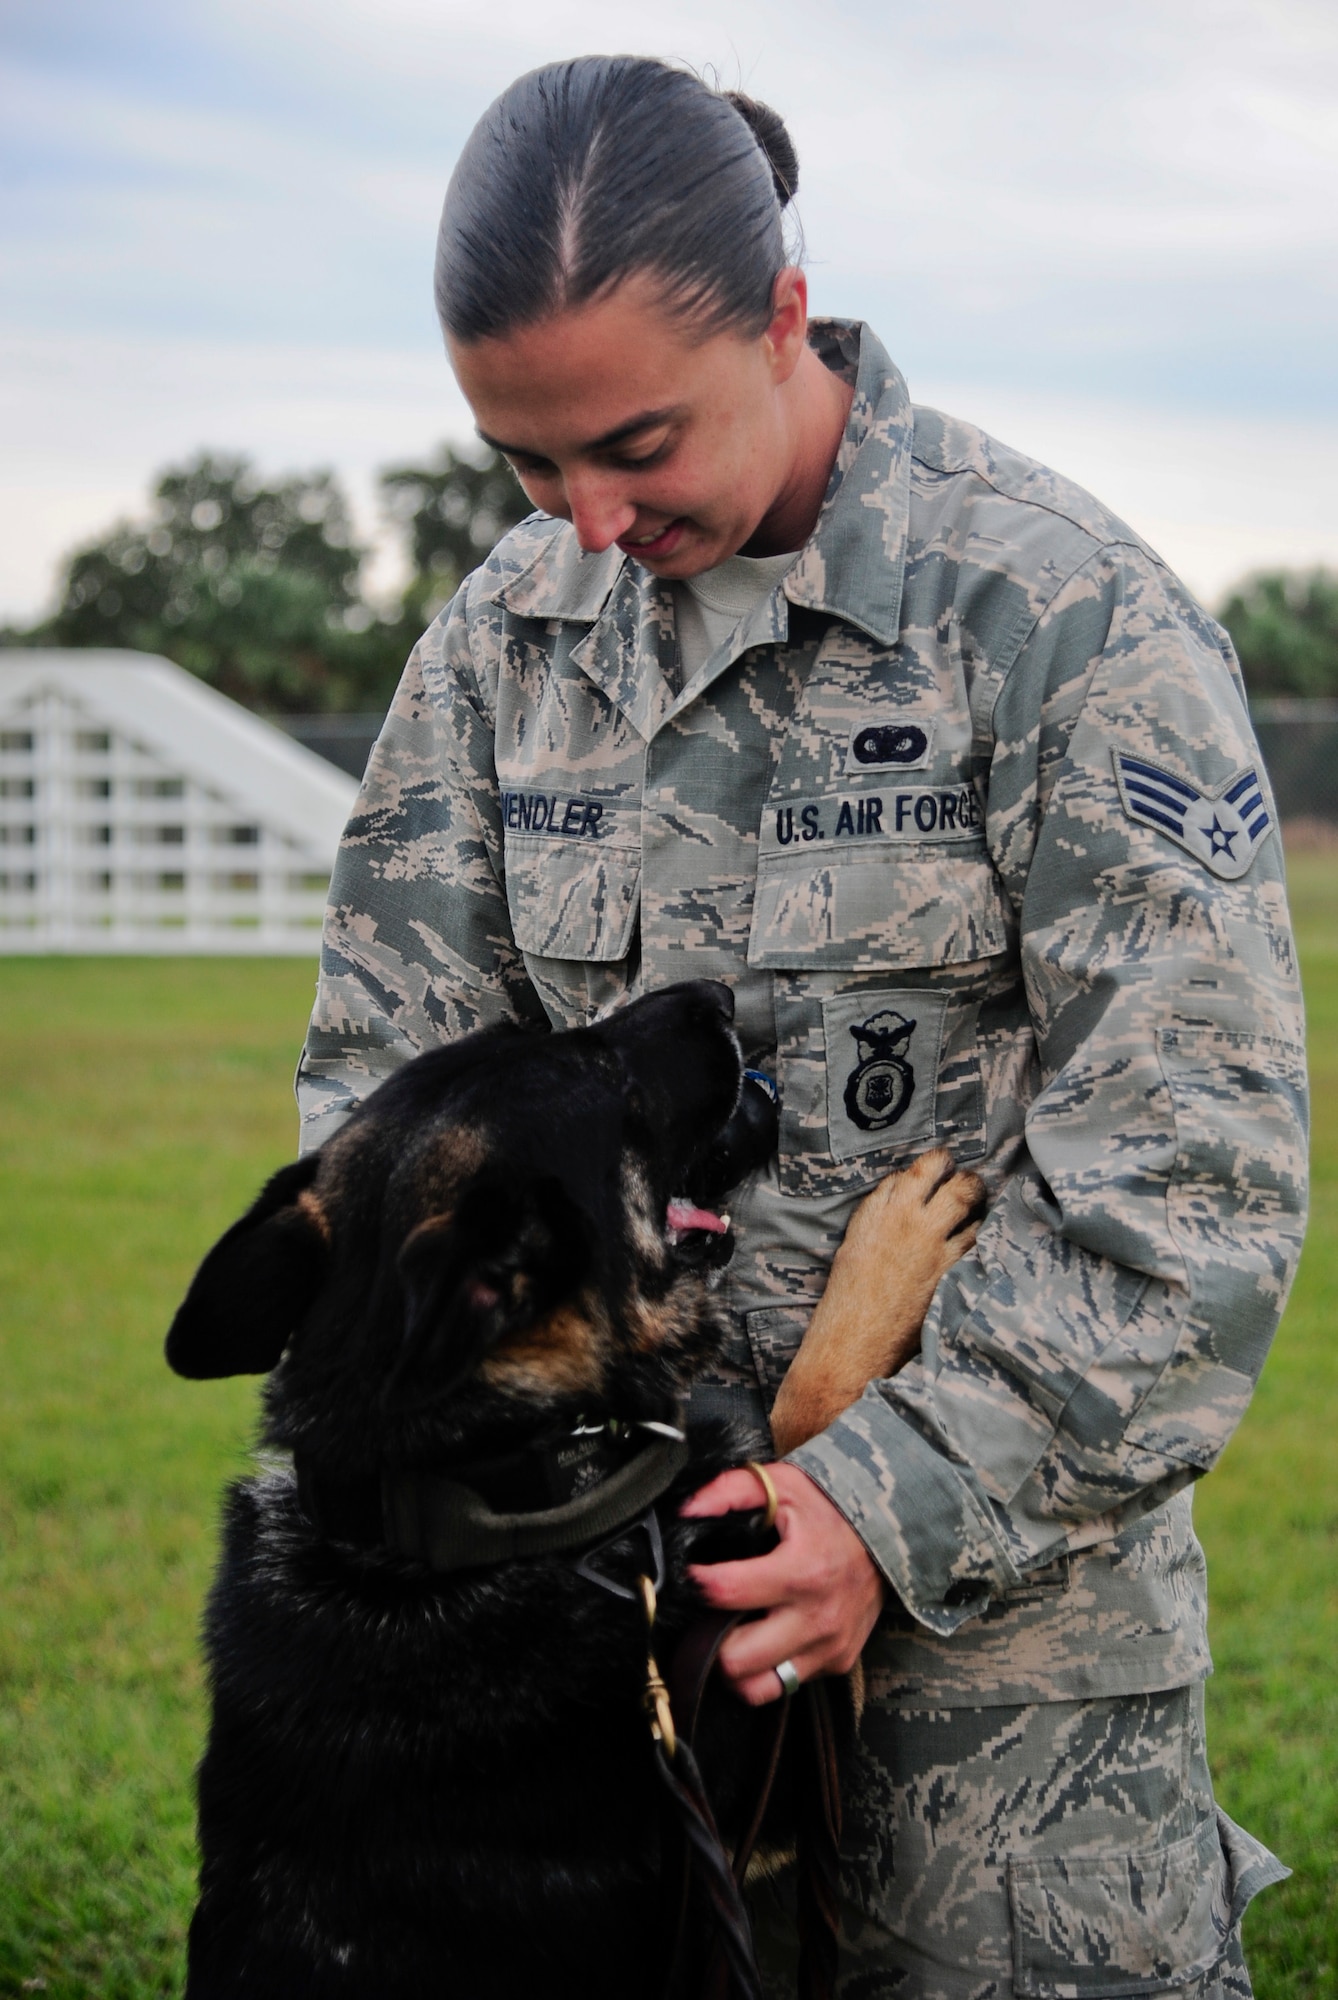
1110	235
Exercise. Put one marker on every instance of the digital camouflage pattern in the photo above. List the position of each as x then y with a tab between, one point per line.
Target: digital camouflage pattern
968	813
1057	1851
889	812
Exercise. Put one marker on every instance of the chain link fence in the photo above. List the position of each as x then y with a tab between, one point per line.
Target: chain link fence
1299	740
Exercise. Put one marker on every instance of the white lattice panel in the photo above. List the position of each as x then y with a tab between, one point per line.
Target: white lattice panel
114	837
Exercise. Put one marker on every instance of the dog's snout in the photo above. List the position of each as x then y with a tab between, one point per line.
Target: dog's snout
718	997
691	1006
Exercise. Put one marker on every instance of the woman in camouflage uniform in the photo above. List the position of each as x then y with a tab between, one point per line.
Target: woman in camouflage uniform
791	684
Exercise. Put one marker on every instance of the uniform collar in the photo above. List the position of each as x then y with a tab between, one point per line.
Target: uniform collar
851	566
853	563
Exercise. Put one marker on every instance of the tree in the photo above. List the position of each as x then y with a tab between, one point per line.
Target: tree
451	511
1284	624
257	587
253	587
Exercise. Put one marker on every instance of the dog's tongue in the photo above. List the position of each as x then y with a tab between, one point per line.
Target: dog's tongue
682	1215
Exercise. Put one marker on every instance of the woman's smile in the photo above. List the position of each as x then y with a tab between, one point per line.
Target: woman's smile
659	542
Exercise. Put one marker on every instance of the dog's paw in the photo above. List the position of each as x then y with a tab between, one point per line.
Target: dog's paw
902	1239
953	1199
926	1217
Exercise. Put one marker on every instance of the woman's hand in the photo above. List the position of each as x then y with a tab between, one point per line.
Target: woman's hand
819	1589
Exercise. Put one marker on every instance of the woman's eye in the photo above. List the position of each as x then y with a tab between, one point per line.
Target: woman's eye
630	463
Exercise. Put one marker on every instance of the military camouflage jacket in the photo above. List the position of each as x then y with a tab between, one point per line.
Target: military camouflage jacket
969	814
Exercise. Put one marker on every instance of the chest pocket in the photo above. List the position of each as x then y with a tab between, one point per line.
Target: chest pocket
573	874
881	960
877	909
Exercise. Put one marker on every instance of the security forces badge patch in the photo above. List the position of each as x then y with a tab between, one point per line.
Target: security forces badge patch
880	1087
882	1069
1222	829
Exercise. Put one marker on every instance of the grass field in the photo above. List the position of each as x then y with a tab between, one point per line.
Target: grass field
140	1105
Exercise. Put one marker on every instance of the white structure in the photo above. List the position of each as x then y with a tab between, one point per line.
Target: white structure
142	812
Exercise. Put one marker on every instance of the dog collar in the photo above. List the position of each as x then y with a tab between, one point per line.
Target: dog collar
447	1524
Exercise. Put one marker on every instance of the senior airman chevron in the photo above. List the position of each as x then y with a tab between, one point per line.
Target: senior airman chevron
1221	829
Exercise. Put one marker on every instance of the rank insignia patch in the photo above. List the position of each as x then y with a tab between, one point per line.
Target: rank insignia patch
1221	829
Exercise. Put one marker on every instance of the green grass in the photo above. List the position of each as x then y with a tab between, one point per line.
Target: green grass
141	1103
1268	1517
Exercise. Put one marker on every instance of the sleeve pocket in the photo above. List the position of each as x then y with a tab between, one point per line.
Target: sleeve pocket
1097	1927
1239	1181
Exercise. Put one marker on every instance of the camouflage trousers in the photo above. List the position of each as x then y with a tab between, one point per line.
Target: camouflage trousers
1063	1851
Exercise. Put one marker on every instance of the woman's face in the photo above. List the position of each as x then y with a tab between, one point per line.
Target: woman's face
638	430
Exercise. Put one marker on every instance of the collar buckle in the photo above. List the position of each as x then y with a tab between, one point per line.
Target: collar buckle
588	1566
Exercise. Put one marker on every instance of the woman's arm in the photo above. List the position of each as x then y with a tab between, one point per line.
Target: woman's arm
1094	1352
1097	1348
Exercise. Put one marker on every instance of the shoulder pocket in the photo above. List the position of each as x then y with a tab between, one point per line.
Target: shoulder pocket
1099	1927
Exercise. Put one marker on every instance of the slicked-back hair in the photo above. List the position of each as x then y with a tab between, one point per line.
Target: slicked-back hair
585	173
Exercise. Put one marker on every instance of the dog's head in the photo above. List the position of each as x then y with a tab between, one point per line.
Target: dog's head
512	1221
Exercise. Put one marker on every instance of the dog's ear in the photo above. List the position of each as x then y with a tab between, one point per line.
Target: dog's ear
499	1262
255	1284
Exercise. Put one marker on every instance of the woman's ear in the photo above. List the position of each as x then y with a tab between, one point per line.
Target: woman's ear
255	1284
787	331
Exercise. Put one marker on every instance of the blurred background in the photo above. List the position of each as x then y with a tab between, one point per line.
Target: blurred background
1110	236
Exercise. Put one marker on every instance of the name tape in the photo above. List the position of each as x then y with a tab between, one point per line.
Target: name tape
558	815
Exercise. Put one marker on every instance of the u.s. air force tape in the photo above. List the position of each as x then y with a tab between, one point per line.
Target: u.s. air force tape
933	812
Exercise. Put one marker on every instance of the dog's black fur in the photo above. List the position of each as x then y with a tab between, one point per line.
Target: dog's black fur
419	1783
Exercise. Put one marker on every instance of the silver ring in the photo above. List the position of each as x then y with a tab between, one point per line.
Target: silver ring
788	1678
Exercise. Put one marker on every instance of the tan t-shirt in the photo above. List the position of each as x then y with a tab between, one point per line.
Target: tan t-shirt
709	607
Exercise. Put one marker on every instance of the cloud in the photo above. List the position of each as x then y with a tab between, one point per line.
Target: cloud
1055	190
88	418
1127	211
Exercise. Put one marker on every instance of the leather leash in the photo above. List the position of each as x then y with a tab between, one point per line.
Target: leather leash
807	1716
677	1767
449	1525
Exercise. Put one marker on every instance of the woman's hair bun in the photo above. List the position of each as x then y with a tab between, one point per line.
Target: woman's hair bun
588	171
768	128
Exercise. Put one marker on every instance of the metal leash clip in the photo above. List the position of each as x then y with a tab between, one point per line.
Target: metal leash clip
656	1697
646	1591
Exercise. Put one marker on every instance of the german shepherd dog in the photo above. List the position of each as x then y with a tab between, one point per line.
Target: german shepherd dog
480	1306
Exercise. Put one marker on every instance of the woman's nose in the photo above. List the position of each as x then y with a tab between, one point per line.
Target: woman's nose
598	513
